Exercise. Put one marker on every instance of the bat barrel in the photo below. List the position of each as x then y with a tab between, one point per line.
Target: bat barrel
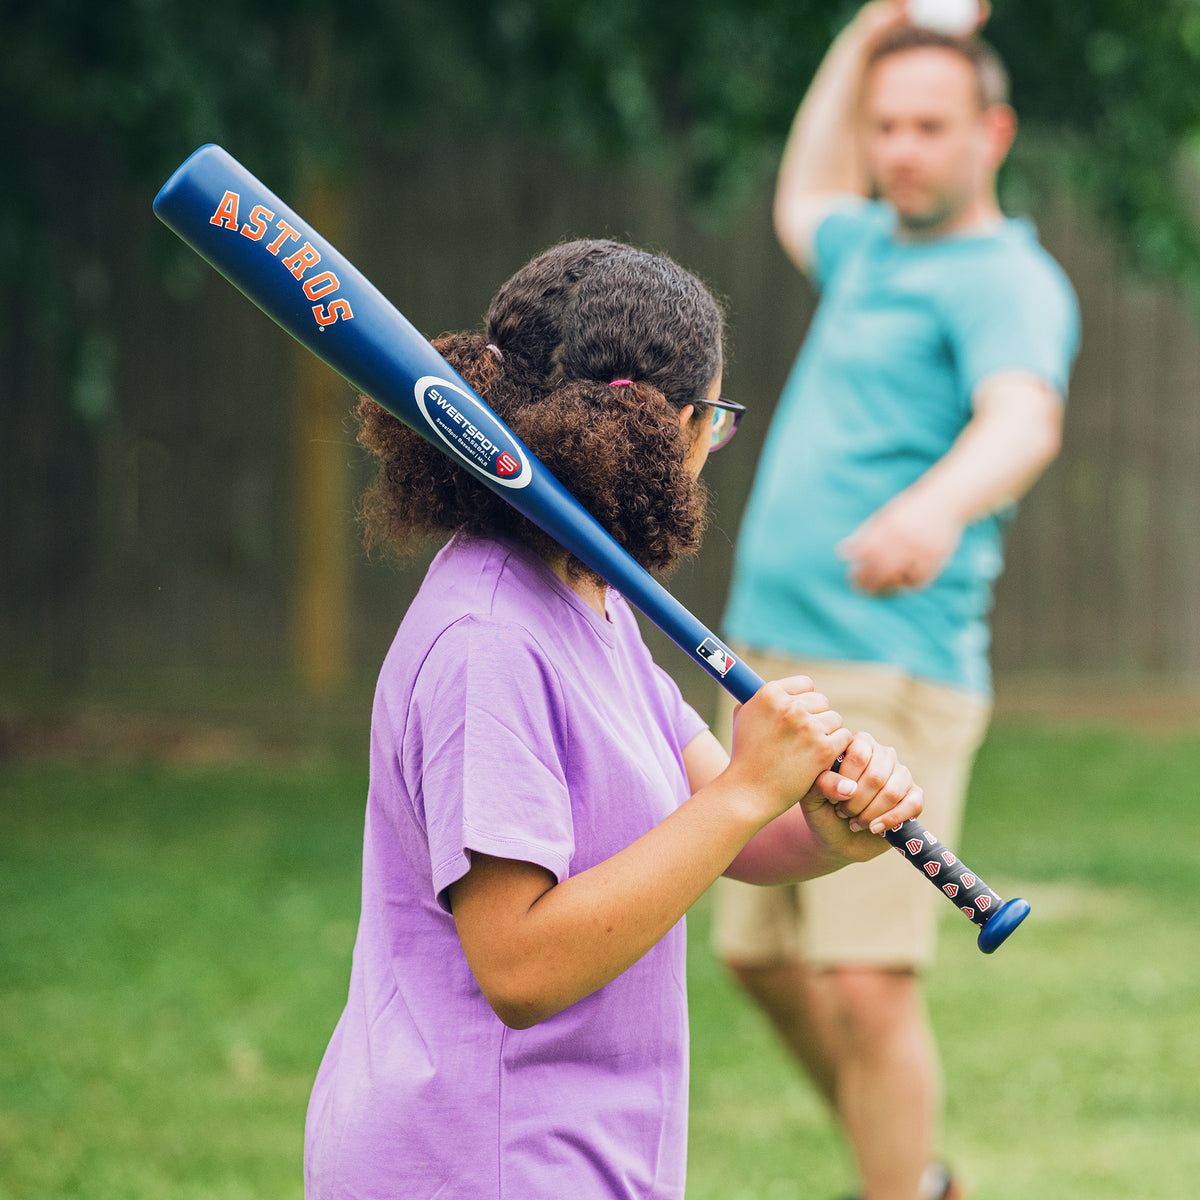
274	257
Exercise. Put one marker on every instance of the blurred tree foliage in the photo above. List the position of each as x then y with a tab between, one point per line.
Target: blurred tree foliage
1108	92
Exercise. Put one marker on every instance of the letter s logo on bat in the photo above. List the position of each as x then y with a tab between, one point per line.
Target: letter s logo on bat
472	431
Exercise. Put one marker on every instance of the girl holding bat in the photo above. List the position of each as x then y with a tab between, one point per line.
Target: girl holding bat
543	806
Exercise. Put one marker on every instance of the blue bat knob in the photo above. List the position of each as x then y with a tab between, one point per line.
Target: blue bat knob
1007	917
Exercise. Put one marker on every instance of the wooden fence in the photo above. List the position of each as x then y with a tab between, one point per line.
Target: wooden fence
162	532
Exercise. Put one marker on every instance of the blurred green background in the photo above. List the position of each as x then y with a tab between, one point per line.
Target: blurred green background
177	482
189	629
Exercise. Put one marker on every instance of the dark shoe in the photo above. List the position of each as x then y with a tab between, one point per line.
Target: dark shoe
938	1184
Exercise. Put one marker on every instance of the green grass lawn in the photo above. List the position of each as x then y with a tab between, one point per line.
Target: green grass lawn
175	944
1071	1055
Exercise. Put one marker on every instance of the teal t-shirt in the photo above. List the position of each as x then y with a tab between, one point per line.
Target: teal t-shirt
882	387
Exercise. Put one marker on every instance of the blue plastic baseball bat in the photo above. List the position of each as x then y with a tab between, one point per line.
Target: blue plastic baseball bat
314	293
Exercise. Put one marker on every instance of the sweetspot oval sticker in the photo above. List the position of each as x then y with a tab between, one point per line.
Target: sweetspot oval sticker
472	431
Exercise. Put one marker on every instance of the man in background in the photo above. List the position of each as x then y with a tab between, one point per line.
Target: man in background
926	400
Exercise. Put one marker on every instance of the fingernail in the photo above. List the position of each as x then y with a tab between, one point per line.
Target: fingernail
855	826
847	787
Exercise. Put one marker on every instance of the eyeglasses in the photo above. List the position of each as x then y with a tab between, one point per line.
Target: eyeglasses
725	417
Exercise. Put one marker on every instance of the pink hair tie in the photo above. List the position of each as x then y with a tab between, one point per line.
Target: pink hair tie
621	383
496	351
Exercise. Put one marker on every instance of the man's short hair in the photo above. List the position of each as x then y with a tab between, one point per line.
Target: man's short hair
991	75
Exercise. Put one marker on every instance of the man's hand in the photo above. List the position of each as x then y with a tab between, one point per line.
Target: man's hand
905	544
1014	433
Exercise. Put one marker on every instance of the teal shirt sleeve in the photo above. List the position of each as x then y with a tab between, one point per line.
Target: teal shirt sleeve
1026	319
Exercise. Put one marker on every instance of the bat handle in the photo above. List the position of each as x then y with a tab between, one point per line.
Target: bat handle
969	894
972	897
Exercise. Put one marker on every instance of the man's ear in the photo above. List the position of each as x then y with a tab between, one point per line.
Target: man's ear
1000	122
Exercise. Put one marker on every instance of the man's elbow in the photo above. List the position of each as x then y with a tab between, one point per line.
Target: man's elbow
1025	416
1049	437
790	231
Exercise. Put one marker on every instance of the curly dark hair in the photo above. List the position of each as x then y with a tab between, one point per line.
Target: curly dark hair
574	319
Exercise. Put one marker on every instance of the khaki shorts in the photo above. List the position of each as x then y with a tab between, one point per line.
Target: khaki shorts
882	913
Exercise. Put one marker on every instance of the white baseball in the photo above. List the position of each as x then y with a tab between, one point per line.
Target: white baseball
954	17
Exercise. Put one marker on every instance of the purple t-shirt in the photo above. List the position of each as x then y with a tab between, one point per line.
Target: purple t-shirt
512	719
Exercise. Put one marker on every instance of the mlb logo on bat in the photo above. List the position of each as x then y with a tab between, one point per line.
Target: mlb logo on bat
507	465
983	903
932	868
967	879
951	889
914	845
948	858
715	655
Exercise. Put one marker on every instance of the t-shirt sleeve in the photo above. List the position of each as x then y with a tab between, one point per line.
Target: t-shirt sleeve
487	738
847	227
1025	319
